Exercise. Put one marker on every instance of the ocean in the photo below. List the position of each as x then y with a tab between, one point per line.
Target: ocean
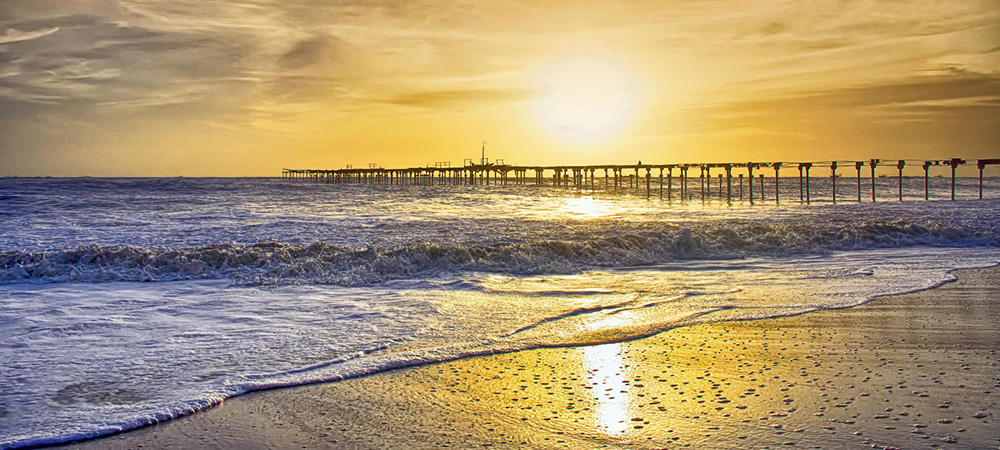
127	302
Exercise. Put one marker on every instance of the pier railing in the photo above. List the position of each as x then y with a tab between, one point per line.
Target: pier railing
617	176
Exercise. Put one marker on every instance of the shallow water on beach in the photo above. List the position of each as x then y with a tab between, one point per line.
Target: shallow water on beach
125	302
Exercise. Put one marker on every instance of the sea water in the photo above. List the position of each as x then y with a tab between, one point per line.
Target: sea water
126	302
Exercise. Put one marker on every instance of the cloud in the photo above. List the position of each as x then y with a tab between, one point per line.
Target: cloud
305	52
773	28
944	92
459	98
12	35
107	58
920	116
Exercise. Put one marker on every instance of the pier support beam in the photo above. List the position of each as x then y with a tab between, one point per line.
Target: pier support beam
708	182
899	165
833	181
701	178
874	164
954	163
981	165
670	182
729	183
858	165
808	198
927	180
661	182
685	192
802	195
648	178
777	185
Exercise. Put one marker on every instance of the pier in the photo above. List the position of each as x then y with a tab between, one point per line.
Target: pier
735	180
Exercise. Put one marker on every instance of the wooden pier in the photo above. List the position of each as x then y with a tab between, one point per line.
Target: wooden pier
640	176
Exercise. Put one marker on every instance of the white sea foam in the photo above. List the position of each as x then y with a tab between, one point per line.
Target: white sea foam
324	295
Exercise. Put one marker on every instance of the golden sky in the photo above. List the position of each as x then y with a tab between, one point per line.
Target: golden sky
232	88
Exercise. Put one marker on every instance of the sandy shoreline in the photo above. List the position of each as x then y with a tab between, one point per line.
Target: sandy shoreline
913	371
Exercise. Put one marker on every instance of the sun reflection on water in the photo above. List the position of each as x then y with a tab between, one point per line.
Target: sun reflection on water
585	208
606	372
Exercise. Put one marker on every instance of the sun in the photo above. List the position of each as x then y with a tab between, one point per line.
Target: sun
585	98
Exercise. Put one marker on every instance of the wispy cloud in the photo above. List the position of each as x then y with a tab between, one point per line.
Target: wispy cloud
470	98
12	35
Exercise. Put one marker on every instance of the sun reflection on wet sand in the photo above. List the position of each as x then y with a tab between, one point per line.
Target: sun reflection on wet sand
612	398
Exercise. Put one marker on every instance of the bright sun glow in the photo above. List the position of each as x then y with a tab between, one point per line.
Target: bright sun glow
586	98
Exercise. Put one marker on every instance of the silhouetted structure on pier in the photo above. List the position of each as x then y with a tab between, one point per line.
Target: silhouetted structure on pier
617	176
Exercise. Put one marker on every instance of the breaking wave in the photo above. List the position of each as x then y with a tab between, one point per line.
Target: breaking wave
322	263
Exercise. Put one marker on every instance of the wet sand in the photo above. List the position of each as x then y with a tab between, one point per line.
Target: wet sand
913	371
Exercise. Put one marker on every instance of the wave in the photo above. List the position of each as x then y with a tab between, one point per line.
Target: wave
322	263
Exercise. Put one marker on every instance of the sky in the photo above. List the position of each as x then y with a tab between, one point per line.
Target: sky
248	87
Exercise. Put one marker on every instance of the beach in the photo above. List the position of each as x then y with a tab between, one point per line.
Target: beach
909	371
423	317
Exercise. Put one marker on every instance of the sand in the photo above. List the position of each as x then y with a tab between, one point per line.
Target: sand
912	371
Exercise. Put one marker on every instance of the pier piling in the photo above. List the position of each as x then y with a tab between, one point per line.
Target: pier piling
981	164
874	164
729	183
684	173
647	181
801	192
777	167
807	166
927	180
833	181
670	182
955	162
858	165
708	182
900	165
661	182
701	179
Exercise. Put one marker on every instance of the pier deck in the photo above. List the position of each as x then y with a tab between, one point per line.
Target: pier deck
617	176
